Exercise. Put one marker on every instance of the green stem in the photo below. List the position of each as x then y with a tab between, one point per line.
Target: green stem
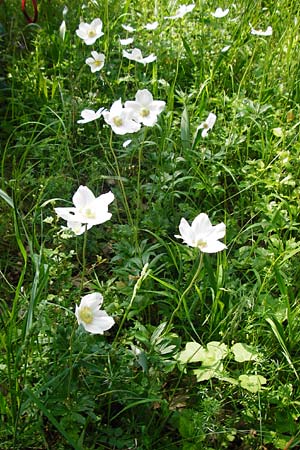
183	299
129	217
83	258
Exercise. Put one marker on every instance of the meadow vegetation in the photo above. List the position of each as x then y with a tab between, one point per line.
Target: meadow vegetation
197	346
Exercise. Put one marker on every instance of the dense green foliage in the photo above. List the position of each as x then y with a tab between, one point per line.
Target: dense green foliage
151	382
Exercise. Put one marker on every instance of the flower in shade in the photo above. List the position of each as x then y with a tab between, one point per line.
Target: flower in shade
144	109
182	11
90	32
120	119
88	115
87	211
96	62
91	317
136	55
151	26
207	124
268	32
219	13
202	234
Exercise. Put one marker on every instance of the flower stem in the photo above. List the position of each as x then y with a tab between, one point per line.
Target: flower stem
83	258
182	299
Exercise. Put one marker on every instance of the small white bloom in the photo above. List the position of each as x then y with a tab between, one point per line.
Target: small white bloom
87	209
144	109
77	227
120	119
62	30
96	62
88	115
182	11
65	11
128	28
91	317
151	26
126	143
202	234
268	32
207	124
136	55
225	49
126	41
219	13
90	32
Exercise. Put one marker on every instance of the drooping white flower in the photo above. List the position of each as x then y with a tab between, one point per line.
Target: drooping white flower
136	55
182	11
151	26
96	62
207	124
91	317
77	227
90	32
87	209
62	30
128	28
219	13
144	109
88	115
268	32
126	143
120	119
202	234
127	41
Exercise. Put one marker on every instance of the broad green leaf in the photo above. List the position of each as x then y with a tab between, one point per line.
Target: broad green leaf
206	373
243	352
252	383
193	352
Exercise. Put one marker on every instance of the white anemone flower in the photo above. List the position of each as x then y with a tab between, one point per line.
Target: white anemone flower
144	109
90	32
151	26
89	115
268	32
127	41
87	210
77	227
128	28
91	317
202	234
219	13
126	143
96	62
207	124
136	55
120	119
62	30
182	11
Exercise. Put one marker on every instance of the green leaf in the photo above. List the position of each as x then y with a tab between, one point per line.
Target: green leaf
252	383
243	352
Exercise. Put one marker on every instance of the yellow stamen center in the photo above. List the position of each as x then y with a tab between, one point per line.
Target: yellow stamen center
90	214
86	314
91	33
118	121
145	112
201	243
